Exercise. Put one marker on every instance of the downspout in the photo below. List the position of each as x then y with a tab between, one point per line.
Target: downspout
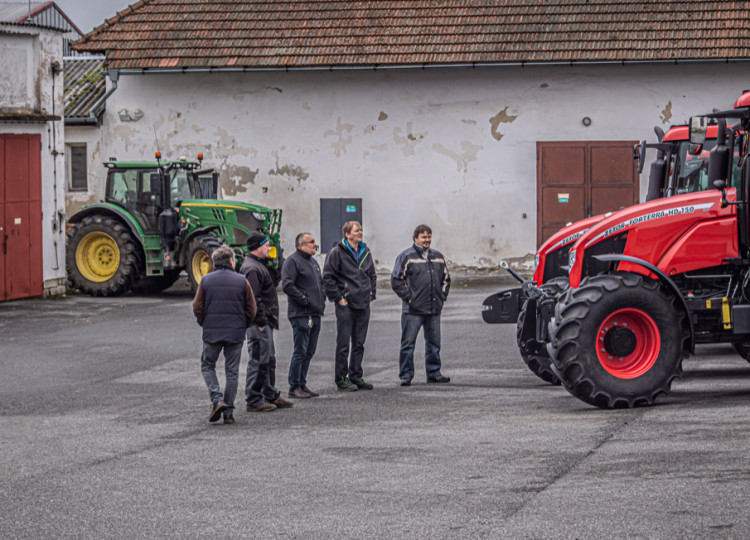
113	75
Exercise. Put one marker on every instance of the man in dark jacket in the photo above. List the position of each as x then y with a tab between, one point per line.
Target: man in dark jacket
260	393
420	278
224	306
303	284
350	280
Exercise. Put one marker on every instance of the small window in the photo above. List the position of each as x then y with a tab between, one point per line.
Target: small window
77	167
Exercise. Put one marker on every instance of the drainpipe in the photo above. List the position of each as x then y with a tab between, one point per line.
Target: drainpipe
114	75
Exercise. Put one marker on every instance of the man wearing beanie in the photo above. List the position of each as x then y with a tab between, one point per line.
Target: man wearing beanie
420	278
224	306
303	284
260	393
349	279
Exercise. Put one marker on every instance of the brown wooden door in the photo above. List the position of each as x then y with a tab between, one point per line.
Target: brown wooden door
580	179
21	265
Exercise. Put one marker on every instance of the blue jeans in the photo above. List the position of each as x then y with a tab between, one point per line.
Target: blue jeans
305	343
351	328
232	354
410	325
261	366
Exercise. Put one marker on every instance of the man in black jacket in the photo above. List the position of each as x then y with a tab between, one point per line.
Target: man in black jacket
224	306
260	393
420	278
350	280
303	284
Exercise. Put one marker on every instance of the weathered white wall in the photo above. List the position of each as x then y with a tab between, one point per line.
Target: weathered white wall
453	148
91	136
29	85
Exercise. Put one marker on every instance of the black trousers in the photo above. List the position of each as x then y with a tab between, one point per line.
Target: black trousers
351	327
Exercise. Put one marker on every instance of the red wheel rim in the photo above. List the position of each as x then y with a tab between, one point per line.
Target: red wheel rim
646	347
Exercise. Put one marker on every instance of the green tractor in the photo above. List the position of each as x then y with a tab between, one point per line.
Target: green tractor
157	219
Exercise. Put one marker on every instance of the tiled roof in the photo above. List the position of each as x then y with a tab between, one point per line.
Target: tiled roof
321	33
84	85
46	14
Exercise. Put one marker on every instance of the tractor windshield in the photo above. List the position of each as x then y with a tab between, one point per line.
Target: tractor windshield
692	169
182	186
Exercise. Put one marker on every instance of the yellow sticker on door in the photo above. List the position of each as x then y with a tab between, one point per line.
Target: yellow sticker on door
563	197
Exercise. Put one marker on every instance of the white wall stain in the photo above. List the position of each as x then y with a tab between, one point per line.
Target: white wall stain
409	141
339	147
463	159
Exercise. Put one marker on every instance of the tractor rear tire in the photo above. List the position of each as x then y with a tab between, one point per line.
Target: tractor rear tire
743	349
533	352
156	284
618	340
198	262
101	256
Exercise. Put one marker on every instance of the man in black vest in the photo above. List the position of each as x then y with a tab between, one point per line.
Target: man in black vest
302	282
260	393
224	306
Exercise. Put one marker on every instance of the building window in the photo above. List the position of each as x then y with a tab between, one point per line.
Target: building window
77	167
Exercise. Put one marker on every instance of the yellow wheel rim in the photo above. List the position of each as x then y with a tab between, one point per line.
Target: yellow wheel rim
201	265
97	257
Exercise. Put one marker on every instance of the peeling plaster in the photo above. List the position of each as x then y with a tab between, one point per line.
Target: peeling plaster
410	141
339	147
306	106
666	113
369	129
469	122
544	85
240	96
292	171
462	160
503	117
382	116
235	179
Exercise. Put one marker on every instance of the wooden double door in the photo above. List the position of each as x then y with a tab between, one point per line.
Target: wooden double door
580	179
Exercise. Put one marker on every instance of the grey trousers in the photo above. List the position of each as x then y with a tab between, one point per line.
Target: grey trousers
209	357
261	367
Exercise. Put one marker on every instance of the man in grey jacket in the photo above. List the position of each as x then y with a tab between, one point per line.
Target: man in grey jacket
302	282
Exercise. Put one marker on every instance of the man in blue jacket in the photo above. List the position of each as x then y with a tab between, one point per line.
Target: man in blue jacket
302	282
349	279
224	306
420	278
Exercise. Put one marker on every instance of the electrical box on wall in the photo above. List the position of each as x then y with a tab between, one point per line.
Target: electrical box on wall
333	214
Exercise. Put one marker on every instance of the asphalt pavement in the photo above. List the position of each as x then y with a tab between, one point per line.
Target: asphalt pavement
103	415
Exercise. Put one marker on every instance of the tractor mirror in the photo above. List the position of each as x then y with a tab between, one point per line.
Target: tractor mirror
698	126
156	184
215	184
641	155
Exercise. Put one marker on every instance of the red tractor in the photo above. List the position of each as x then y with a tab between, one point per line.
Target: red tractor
649	282
531	306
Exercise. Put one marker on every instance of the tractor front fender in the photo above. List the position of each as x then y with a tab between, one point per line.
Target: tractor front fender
195	233
666	280
115	211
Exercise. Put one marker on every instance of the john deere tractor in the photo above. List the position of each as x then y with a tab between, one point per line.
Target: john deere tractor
157	219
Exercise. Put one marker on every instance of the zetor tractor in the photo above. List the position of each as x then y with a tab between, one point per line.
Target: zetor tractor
531	307
651	281
158	219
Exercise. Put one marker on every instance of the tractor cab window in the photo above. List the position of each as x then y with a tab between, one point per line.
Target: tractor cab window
122	187
131	188
692	169
181	186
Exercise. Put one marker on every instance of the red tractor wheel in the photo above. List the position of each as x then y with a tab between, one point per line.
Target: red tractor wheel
618	340
533	352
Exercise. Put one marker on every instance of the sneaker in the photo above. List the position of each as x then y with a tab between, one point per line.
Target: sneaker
406	382
310	392
229	419
362	385
346	385
281	403
216	410
265	407
299	393
439	379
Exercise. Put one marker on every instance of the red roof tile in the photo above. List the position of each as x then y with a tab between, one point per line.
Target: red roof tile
322	33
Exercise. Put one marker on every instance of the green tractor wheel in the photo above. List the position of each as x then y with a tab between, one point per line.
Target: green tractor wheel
198	262
101	257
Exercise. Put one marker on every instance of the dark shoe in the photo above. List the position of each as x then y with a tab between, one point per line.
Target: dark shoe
229	419
216	410
281	403
439	379
406	382
265	407
298	394
346	385
362	385
310	392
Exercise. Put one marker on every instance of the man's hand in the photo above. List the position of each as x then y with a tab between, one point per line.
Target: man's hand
342	302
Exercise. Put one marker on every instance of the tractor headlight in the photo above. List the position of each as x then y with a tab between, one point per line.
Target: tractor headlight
260	216
571	259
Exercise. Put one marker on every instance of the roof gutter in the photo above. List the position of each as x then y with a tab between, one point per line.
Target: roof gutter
93	117
383	67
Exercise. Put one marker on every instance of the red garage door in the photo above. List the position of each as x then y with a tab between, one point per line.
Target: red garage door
21	271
